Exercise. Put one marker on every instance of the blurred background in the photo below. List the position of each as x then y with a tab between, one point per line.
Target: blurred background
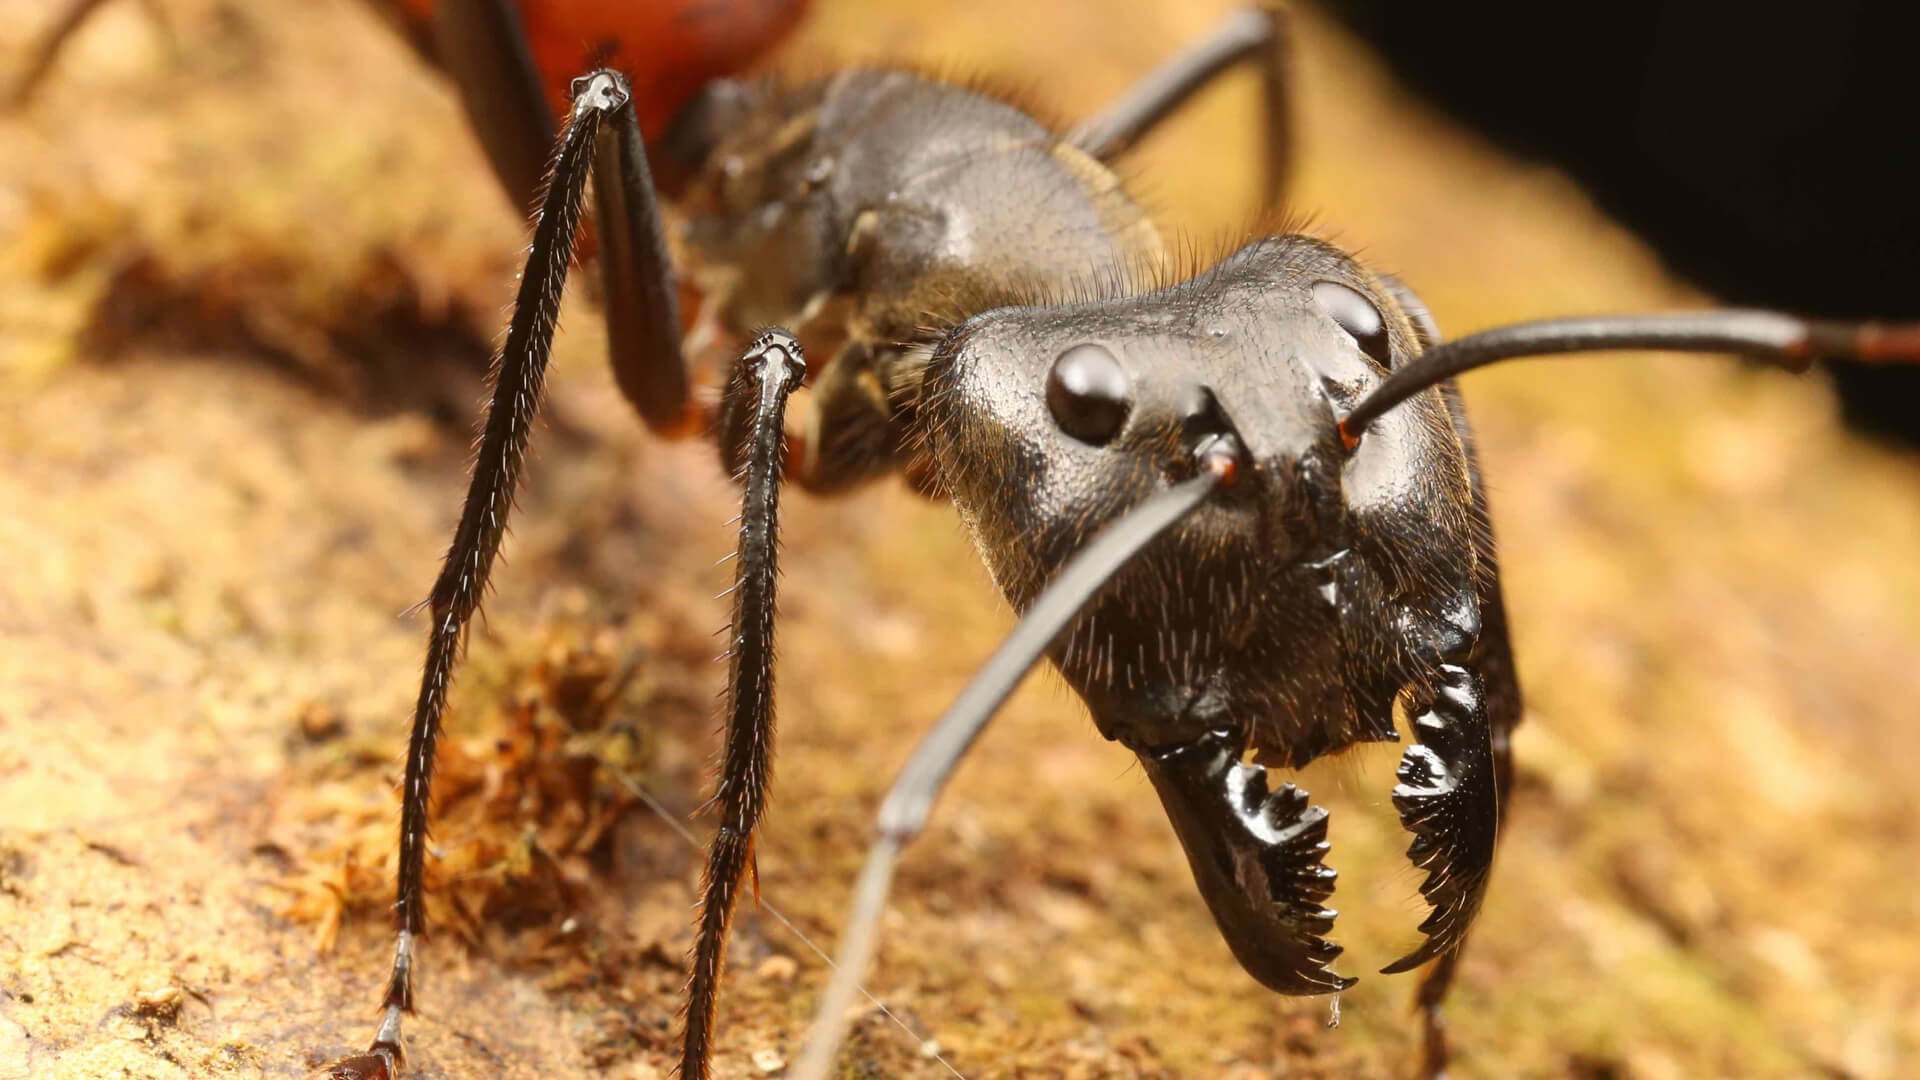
251	264
1769	160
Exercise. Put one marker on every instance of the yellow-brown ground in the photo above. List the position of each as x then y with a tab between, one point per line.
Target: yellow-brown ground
244	268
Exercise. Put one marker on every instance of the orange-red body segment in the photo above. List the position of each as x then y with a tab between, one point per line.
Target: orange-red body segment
666	48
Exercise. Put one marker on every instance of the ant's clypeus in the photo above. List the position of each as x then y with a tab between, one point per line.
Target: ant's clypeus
1240	511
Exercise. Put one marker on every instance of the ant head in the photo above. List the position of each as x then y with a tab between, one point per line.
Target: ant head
1046	422
1283	617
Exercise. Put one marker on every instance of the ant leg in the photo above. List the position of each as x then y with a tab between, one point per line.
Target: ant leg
1257	33
642	301
519	373
484	47
754	425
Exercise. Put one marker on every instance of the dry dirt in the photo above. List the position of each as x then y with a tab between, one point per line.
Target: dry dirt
249	261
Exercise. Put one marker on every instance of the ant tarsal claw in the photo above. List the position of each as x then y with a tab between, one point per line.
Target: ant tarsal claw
379	1065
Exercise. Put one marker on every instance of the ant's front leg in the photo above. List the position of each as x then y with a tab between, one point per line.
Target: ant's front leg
483	46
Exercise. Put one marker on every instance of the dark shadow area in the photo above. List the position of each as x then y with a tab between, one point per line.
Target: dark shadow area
1772	157
376	345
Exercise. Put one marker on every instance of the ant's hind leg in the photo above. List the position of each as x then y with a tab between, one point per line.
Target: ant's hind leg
484	47
753	429
642	300
1258	33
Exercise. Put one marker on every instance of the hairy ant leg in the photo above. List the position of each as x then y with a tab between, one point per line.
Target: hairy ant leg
642	305
753	421
753	416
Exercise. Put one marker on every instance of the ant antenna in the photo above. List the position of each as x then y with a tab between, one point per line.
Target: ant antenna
909	802
1783	340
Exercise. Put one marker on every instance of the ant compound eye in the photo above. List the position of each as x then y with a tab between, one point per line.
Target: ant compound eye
1088	394
1358	317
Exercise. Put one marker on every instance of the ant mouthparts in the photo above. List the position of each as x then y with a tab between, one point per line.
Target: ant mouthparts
1221	455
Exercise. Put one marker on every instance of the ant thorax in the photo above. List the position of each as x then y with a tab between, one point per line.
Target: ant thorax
871	211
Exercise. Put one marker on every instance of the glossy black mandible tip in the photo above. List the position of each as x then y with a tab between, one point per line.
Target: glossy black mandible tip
1257	857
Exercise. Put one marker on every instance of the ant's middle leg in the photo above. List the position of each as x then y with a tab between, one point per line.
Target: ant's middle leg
1258	33
483	47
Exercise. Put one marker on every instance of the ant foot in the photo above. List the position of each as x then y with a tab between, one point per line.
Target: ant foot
378	1065
380	1062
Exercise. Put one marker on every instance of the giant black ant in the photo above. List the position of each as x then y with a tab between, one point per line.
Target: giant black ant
1239	508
